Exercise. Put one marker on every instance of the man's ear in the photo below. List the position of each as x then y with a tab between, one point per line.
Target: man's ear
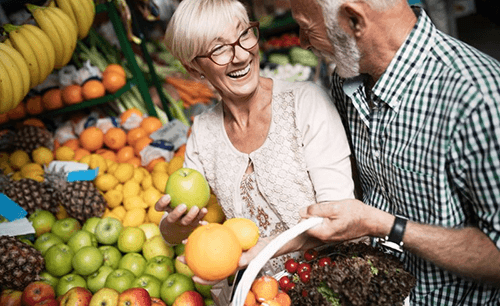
353	17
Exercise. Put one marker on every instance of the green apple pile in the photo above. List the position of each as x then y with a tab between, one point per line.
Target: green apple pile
102	253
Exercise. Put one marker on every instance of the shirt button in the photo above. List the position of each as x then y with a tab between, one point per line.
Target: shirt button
376	154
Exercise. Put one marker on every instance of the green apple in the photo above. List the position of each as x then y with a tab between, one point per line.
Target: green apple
108	230
96	280
69	281
187	186
81	239
148	282
91	224
87	260
134	262
150	229
64	228
42	221
204	290
179	249
49	279
45	241
175	285
105	297
160	267
120	280
131	239
58	260
111	256
182	268
156	246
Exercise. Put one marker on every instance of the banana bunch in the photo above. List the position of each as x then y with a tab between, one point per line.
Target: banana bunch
60	28
82	12
35	47
14	78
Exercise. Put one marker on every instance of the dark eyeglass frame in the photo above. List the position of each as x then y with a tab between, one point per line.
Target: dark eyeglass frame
253	24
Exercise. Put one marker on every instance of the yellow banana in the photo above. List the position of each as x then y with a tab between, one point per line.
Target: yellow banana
21	63
6	96
16	78
22	45
90	13
46	25
8	43
67	30
40	53
76	11
46	43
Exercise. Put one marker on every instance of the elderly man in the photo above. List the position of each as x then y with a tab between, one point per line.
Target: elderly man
423	114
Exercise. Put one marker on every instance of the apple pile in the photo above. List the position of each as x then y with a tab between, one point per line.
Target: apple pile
102	253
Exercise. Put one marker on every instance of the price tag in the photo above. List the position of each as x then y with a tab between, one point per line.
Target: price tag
174	132
10	209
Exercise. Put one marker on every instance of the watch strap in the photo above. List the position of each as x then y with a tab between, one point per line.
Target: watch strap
397	230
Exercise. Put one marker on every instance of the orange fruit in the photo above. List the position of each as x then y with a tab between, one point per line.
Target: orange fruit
270	303
175	164
34	122
180	151
17	112
34	105
92	139
150	124
57	144
250	299
115	138
152	163
72	94
107	154
245	229
113	81
124	154
135	134
212	251
52	99
265	288
283	298
116	68
135	161
141	143
129	112
93	89
72	143
81	152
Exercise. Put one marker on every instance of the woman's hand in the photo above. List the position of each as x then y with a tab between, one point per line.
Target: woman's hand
179	222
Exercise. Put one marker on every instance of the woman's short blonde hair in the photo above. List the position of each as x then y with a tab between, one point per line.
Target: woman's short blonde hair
196	23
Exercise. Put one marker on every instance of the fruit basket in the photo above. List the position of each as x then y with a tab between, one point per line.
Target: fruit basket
345	274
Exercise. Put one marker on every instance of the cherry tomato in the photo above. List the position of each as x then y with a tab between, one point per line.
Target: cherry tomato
284	282
310	254
291	265
305	277
325	261
303	267
291	285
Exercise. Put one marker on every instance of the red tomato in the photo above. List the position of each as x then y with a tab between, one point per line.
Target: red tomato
291	265
305	277
304	267
310	254
284	283
325	261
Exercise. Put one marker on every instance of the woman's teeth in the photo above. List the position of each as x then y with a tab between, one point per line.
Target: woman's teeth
240	73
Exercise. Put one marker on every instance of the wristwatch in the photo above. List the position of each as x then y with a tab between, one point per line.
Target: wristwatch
394	240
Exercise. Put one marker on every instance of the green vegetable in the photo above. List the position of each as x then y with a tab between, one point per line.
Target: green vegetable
329	294
278	58
303	57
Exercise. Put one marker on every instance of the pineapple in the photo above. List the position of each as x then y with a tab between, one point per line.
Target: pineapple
20	263
80	199
30	194
29	137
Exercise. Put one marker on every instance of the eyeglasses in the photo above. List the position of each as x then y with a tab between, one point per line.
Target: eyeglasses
223	55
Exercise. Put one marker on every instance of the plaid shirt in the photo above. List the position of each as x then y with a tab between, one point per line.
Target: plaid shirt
427	146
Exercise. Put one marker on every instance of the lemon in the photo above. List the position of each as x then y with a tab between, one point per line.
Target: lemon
245	230
138	175
97	161
113	197
42	155
119	211
134	217
147	181
16	176
131	188
119	188
4	157
85	160
124	172
112	168
34	175
134	202
105	182
31	167
61	213
146	219
151	196
6	168
161	167
159	180
154	216
18	159
109	163
64	153
215	213
175	163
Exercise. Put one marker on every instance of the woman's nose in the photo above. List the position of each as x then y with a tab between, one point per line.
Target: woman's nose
240	54
304	39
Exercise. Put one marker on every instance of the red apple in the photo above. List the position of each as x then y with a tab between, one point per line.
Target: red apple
10	297
36	292
76	296
189	298
157	302
134	297
48	302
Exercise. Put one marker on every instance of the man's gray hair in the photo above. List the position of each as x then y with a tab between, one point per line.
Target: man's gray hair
379	5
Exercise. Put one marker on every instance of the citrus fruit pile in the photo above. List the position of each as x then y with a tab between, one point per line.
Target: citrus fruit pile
265	291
